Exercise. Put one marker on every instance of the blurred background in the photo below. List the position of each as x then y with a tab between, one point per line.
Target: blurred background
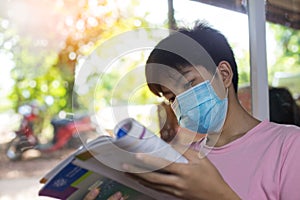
45	44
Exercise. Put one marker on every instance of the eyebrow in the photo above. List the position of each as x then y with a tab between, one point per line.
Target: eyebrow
168	91
182	77
164	93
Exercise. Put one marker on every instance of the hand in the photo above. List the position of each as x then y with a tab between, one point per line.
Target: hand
92	195
198	179
168	122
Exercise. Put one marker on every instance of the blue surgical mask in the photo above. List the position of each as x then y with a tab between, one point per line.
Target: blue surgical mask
200	109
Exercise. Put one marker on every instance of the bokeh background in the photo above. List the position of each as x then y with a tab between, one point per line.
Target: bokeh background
45	43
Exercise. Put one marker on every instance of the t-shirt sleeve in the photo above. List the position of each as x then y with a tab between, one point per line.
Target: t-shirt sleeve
290	172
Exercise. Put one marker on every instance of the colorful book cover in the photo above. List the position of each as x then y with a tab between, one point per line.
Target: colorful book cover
63	184
74	182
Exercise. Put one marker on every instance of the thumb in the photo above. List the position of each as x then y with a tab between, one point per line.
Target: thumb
92	194
194	156
191	155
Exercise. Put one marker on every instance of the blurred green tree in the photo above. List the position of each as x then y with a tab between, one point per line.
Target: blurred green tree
284	68
46	76
287	50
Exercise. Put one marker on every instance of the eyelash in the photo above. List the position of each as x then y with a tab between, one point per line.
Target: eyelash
189	84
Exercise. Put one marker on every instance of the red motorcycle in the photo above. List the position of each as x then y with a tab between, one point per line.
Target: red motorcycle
70	132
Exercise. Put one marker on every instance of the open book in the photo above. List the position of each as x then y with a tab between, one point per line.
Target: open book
99	164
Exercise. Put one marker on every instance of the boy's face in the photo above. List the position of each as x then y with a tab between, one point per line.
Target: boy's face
176	82
203	106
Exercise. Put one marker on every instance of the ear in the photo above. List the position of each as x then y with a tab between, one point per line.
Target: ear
226	73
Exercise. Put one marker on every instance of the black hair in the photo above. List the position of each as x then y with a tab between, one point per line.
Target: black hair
211	40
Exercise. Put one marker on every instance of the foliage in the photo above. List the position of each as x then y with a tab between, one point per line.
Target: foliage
39	73
283	53
287	50
286	58
47	77
121	83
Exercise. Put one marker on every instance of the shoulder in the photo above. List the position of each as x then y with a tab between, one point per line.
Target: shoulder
272	129
280	136
287	141
289	159
286	132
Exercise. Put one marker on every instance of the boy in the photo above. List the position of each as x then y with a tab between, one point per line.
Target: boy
195	70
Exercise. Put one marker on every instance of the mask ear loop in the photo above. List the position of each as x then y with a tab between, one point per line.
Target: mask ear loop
212	79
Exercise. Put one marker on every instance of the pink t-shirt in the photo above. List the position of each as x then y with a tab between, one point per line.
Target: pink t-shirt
263	164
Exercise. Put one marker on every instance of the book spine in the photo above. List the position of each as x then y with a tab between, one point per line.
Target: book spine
136	138
132	128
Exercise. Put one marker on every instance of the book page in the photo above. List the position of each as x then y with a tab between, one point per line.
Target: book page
135	139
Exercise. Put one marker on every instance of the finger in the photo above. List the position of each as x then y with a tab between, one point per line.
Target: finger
192	155
163	188
159	164
180	148
116	196
152	177
138	168
92	194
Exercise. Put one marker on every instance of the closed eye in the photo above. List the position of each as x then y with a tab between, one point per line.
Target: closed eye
188	85
169	96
